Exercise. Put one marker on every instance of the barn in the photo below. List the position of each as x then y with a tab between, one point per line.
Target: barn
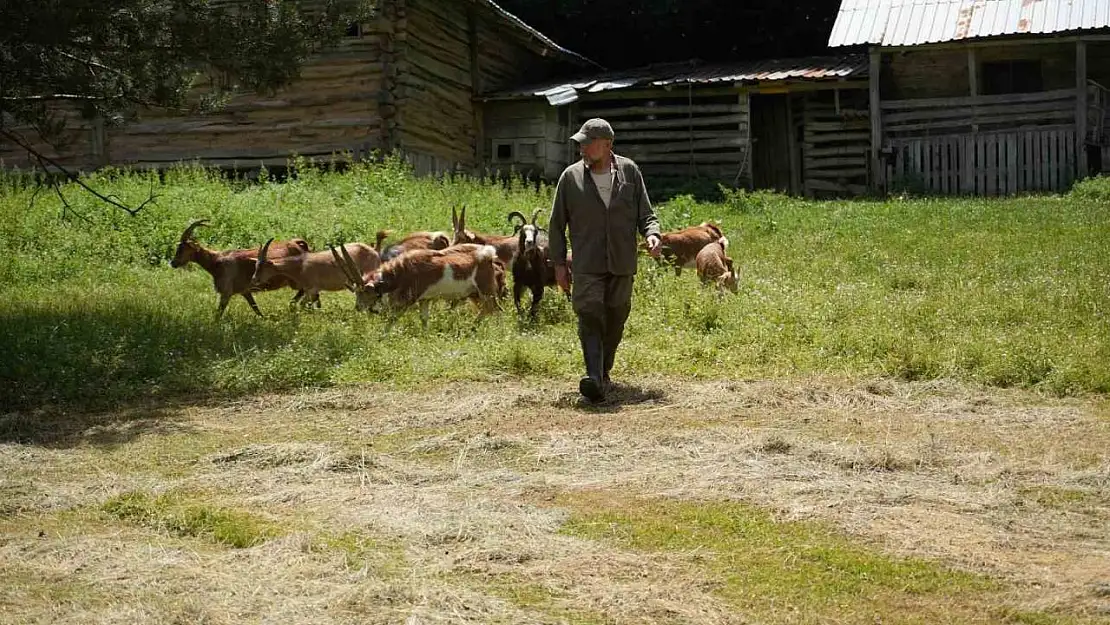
795	125
405	82
986	97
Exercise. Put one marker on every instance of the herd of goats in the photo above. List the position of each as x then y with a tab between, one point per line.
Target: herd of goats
426	266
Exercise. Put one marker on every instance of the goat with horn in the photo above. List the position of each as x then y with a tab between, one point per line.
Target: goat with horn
464	271
532	268
316	271
231	270
506	245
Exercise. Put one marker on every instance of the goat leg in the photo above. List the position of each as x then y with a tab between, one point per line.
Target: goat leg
224	299
250	300
537	295
518	290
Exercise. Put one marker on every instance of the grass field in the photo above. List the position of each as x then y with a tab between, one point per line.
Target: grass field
900	418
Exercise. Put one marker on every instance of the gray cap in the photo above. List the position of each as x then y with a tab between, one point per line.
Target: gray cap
595	128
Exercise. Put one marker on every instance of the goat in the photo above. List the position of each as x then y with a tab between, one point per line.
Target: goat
413	241
461	271
231	270
681	247
715	266
532	268
314	271
506	245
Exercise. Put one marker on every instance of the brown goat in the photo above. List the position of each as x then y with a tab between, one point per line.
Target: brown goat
412	241
461	271
315	271
681	247
231	270
715	266
506	245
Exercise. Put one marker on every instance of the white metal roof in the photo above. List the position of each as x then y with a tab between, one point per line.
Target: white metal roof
917	22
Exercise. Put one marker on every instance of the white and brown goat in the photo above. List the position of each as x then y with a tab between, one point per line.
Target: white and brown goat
232	270
464	271
314	272
714	266
506	245
681	247
413	241
532	268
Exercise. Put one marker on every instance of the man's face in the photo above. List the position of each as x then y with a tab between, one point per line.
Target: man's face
595	151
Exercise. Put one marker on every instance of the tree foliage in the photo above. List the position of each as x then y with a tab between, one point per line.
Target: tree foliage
629	33
106	56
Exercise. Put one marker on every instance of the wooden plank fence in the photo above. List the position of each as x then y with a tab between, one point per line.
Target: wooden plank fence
992	163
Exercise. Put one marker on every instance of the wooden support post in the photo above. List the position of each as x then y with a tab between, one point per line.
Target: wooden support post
878	175
792	137
1081	108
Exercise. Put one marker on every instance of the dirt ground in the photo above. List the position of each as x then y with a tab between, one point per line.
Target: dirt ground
440	505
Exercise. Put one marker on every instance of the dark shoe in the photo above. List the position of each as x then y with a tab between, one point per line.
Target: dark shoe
591	388
593	354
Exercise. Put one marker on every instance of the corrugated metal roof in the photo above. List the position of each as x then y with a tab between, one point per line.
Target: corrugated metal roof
917	22
692	72
547	42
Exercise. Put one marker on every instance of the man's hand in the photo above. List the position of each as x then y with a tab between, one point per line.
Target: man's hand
654	245
562	278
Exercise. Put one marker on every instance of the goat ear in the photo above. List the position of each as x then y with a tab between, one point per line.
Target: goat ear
454	219
462	217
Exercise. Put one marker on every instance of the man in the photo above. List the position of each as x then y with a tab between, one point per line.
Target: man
602	200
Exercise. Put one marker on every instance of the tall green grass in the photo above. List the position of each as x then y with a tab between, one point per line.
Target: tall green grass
1005	292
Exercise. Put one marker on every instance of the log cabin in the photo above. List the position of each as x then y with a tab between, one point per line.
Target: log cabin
406	82
984	97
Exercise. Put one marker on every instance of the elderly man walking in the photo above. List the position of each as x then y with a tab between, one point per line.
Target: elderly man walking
603	203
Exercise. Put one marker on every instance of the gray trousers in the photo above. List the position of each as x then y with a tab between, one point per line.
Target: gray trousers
602	303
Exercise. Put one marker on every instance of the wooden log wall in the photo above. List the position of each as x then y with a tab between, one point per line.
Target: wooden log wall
836	143
529	129
331	108
80	147
698	132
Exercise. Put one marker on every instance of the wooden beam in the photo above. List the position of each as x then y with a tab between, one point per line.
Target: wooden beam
988	42
1081	108
878	182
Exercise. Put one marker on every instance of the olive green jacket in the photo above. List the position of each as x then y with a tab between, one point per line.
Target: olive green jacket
604	239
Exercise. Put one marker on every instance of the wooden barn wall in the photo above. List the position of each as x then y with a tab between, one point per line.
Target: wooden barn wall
943	72
691	133
836	143
435	109
440	123
536	133
330	108
1098	62
80	147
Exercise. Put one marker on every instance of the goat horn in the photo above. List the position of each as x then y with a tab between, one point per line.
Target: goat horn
185	236
262	252
523	219
454	218
342	265
536	215
356	275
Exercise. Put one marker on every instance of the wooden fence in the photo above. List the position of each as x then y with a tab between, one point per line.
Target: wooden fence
990	163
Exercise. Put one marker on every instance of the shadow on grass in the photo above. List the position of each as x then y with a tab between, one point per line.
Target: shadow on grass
68	374
619	396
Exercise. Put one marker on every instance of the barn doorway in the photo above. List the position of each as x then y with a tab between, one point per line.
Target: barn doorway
775	152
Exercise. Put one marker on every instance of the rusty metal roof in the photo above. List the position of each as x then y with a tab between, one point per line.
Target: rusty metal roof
917	22
543	39
695	73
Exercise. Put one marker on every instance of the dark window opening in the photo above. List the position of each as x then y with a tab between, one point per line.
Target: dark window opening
1015	76
504	151
354	29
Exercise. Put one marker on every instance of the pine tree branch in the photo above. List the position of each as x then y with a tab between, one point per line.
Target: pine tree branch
44	160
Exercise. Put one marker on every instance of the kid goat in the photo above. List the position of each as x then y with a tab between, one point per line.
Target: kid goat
681	247
715	266
316	271
231	270
461	271
413	241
